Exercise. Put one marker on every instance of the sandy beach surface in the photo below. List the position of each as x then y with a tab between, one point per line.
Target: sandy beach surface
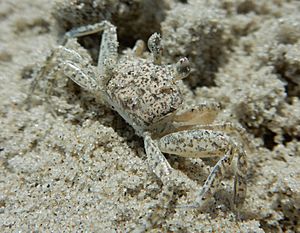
68	163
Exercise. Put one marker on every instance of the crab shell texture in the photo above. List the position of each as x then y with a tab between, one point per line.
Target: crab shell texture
144	93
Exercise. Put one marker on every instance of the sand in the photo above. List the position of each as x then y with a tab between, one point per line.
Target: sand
75	165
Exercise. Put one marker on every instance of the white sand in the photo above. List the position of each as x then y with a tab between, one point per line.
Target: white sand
85	170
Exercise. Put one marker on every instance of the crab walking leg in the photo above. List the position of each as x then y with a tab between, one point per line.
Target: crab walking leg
49	69
75	67
73	72
108	49
240	180
231	128
202	117
156	160
228	127
162	169
207	143
41	73
109	43
157	213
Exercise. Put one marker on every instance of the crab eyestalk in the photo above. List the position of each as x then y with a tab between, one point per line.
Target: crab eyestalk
139	48
155	48
182	69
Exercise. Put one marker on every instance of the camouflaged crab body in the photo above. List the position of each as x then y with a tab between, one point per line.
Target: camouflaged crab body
144	94
147	95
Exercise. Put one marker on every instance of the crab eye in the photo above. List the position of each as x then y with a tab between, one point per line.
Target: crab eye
182	68
154	45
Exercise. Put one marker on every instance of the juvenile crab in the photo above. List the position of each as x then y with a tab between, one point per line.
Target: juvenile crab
145	93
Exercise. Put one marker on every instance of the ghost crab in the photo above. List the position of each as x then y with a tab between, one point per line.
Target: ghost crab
145	93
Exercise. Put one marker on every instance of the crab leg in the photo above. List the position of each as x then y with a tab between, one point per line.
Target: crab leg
202	117
231	128
156	160
207	143
75	67
162	169
108	47
227	127
72	64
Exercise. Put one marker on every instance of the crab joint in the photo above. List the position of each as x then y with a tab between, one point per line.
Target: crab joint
182	68
155	48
